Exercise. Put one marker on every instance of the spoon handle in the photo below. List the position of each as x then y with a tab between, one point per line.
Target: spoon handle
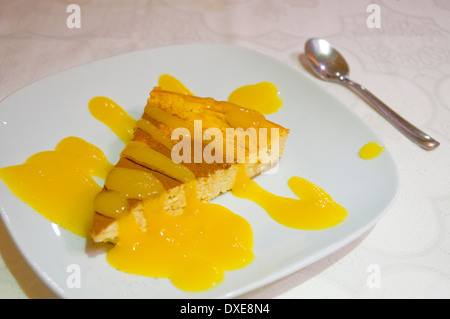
409	130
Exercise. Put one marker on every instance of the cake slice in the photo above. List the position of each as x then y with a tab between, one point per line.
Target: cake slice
182	139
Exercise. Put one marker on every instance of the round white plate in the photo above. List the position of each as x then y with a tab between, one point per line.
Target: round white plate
323	147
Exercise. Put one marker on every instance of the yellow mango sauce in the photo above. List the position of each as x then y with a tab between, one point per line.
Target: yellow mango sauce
59	184
314	210
371	150
114	116
171	84
192	249
262	97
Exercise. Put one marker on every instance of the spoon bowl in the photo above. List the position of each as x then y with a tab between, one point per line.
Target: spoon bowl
331	66
325	60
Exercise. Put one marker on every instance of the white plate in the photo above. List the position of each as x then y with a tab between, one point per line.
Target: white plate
323	148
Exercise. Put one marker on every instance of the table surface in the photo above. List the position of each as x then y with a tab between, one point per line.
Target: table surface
398	49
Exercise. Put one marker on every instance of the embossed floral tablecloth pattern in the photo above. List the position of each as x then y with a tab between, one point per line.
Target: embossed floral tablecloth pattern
406	62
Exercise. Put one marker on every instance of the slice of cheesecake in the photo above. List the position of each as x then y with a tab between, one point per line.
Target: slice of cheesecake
183	139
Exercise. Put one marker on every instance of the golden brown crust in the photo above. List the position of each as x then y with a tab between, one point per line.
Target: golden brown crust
100	224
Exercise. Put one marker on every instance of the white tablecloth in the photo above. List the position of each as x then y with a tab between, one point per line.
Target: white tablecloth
405	60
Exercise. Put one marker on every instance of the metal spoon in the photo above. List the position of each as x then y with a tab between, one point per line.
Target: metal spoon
330	65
